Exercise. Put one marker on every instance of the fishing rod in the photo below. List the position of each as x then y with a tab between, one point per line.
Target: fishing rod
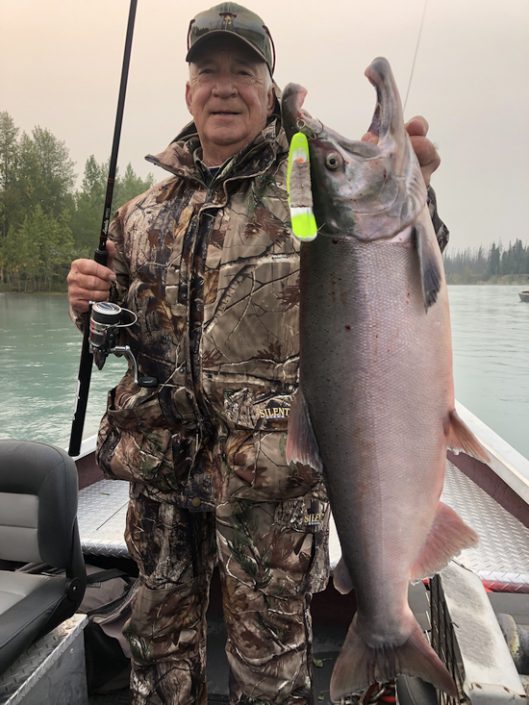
101	254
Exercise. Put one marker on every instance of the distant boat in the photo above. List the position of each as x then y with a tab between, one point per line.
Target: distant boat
524	296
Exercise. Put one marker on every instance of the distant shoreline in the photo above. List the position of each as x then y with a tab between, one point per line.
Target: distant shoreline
524	285
521	280
52	292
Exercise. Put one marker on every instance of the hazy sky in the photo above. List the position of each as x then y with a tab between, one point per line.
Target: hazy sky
60	62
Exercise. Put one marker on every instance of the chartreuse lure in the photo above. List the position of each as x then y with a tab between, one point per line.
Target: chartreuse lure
299	189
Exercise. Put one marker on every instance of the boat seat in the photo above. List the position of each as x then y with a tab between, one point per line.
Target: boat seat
38	525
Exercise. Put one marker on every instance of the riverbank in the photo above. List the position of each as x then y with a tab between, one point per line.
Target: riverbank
6	288
521	280
56	292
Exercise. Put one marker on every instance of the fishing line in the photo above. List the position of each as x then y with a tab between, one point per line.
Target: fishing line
419	35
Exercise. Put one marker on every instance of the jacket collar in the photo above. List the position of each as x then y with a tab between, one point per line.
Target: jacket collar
180	157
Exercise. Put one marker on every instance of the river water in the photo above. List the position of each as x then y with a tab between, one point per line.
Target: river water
40	348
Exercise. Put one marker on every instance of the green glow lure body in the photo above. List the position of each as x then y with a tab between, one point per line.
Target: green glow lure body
299	189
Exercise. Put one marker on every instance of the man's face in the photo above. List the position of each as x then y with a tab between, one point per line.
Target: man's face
230	96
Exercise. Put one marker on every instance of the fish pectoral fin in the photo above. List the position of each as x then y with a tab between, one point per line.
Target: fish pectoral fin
460	437
302	446
430	261
342	578
448	536
359	665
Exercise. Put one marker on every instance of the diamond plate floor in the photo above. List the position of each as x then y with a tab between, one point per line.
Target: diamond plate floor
101	515
502	557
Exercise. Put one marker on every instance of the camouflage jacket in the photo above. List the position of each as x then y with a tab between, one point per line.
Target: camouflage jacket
211	271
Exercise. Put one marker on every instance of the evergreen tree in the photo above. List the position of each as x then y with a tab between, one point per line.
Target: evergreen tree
8	171
87	215
473	266
130	186
89	202
39	251
494	260
518	258
45	173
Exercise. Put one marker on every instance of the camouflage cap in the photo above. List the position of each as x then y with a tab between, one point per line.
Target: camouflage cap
230	19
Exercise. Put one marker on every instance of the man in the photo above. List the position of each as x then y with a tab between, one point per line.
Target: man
207	262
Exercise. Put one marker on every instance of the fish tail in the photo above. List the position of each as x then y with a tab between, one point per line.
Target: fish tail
359	665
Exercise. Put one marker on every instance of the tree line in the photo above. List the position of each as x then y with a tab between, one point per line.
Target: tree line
45	222
470	266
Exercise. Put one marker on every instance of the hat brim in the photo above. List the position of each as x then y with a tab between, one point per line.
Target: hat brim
201	44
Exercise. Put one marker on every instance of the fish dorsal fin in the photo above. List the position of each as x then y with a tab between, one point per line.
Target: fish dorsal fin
302	446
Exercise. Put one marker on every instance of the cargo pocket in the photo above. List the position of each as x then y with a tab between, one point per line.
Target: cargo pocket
303	524
136	444
257	468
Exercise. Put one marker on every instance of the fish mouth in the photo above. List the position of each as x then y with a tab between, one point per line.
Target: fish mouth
387	120
386	123
376	121
370	188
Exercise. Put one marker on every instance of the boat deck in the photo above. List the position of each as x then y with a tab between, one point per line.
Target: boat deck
501	559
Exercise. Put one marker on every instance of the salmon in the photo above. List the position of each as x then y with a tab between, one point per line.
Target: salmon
375	409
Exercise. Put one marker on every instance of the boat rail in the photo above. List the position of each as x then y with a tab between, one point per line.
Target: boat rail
506	462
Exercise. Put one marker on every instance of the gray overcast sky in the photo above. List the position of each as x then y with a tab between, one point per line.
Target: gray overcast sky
60	63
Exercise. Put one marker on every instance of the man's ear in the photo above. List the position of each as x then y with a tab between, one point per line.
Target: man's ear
271	101
188	96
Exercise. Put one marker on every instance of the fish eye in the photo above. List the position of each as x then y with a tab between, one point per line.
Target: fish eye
332	161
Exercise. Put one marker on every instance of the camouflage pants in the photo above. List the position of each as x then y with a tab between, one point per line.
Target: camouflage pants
271	560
